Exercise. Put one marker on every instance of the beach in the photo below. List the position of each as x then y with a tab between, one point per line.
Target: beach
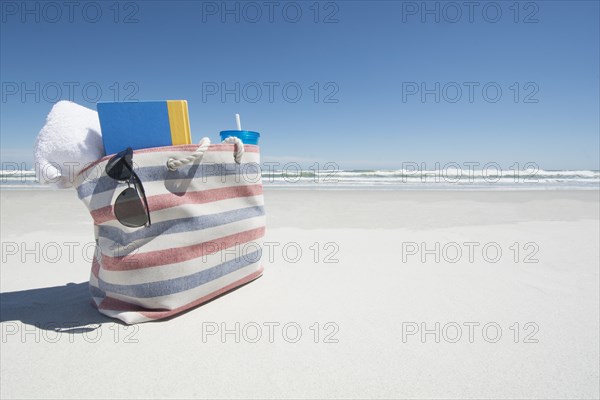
365	294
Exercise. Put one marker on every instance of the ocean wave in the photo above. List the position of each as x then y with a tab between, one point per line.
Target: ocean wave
16	173
10	179
456	172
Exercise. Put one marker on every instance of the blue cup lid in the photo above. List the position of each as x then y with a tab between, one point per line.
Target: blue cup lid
247	137
240	133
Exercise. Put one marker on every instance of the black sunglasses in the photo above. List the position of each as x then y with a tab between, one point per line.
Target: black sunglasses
129	209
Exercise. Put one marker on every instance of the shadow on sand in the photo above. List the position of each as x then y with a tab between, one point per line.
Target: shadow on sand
65	308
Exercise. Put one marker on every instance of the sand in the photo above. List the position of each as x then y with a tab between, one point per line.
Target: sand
350	286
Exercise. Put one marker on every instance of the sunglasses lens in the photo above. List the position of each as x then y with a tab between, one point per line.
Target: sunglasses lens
119	167
130	210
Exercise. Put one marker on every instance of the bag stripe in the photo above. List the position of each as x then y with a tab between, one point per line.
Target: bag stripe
133	313
177	269
105	199
190	224
183	283
113	249
95	264
195	210
179	254
95	292
179	299
163	201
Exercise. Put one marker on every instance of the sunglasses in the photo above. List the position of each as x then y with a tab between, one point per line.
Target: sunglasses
129	208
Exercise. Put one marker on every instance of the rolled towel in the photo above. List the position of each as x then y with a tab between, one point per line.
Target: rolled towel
70	141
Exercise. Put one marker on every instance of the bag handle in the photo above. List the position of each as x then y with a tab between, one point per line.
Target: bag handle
173	163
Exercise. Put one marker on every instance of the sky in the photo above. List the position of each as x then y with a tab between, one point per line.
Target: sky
364	85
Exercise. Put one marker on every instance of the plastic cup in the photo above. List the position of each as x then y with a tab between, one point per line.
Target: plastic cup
247	137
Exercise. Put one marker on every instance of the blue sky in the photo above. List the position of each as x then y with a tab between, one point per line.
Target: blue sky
361	68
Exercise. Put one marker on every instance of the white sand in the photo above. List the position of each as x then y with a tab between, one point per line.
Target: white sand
370	298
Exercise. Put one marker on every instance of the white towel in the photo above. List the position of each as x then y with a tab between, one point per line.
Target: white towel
70	141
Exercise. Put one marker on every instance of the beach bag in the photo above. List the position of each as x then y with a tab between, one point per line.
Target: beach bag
207	221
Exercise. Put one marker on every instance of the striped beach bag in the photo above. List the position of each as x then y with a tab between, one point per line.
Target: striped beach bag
206	220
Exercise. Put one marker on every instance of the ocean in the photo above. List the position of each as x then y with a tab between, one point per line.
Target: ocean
446	179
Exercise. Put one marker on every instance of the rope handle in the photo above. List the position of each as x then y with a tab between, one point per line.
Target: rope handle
175	163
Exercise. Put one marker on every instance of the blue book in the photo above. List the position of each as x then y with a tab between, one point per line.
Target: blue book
144	124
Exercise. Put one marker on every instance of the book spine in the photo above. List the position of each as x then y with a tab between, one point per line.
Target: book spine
179	122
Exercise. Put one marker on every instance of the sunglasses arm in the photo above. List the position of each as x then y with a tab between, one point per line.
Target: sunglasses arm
141	189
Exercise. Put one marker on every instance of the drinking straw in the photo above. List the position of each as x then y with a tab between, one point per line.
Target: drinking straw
237	122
